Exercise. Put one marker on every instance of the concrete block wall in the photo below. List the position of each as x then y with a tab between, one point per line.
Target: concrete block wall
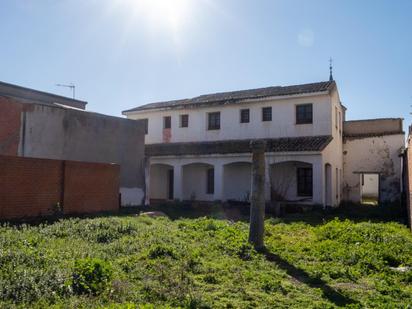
32	187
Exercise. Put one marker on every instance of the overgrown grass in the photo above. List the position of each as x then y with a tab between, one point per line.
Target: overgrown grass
204	263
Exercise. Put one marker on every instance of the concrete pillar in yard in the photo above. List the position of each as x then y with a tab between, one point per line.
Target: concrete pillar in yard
147	181
257	207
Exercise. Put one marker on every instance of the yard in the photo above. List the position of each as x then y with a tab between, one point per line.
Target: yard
129	261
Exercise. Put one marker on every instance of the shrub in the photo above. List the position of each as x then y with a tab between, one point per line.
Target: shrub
160	251
91	276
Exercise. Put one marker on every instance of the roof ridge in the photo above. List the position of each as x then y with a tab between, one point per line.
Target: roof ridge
237	95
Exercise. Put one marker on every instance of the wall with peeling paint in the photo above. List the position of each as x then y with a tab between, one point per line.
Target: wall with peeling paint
375	154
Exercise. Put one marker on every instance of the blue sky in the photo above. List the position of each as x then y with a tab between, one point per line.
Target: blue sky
124	53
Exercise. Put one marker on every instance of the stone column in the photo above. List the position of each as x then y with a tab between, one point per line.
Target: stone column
178	182
257	207
268	187
318	180
219	183
147	181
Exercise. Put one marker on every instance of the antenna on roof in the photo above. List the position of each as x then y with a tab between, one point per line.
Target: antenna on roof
71	86
330	69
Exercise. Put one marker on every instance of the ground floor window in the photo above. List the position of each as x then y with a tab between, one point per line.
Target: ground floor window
304	181
210	181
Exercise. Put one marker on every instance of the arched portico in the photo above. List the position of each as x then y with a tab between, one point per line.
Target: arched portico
198	182
161	182
291	181
237	181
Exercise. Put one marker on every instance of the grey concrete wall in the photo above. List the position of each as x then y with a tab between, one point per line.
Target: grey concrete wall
372	126
68	134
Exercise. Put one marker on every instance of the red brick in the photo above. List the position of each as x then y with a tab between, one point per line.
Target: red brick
32	187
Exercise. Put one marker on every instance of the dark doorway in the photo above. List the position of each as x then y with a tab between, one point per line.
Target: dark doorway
170	175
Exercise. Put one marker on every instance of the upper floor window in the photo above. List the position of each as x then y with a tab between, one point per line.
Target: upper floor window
146	125
184	121
213	121
304	114
267	113
244	116
167	122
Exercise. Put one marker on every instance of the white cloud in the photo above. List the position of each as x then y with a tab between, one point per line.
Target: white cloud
306	38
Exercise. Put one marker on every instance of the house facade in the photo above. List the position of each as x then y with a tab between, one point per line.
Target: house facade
198	148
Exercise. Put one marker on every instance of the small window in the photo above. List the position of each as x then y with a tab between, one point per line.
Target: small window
244	116
340	122
304	175
210	181
304	114
167	122
184	121
146	125
267	114
336	117
213	121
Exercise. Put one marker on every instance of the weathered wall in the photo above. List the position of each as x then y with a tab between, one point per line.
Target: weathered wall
67	134
237	181
372	126
376	154
283	122
34	187
10	122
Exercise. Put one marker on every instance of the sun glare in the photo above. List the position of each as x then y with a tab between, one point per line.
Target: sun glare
168	13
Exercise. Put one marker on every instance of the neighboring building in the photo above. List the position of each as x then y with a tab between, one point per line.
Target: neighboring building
372	153
41	125
198	148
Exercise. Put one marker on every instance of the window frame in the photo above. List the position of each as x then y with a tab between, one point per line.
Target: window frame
215	124
266	108
167	122
184	124
304	187
247	118
305	119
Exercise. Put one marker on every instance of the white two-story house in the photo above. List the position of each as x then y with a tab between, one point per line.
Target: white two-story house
198	148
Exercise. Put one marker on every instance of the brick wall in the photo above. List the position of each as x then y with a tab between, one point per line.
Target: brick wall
10	121
33	187
90	187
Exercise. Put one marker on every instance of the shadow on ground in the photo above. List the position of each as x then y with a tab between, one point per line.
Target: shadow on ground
303	277
314	216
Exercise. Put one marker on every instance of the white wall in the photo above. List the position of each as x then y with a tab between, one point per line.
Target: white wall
370	187
282	124
159	182
332	154
195	182
237	181
374	155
